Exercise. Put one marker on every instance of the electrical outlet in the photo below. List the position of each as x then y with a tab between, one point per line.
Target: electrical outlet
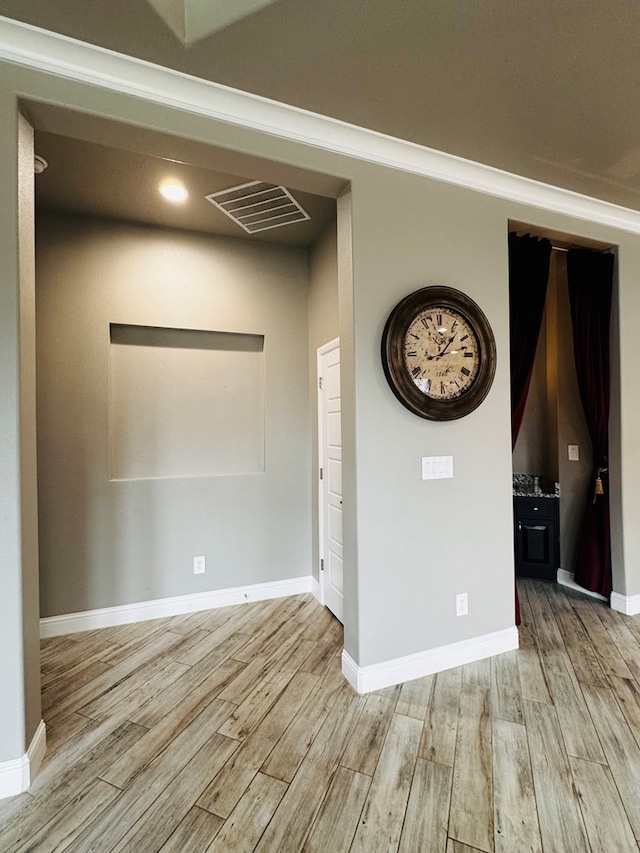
199	566
462	604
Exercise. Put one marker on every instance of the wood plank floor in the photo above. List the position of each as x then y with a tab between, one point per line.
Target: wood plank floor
233	730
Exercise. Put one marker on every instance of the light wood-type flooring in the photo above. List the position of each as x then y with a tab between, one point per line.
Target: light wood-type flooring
233	730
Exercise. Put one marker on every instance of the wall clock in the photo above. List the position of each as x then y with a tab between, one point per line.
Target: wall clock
439	353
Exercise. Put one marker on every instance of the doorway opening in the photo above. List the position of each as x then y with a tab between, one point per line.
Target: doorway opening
552	458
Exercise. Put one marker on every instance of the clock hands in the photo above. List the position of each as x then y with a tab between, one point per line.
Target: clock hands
443	351
440	340
447	345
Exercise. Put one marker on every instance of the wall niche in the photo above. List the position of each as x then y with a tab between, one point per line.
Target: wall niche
185	403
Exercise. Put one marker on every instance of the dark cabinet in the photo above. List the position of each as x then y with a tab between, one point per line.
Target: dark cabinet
537	537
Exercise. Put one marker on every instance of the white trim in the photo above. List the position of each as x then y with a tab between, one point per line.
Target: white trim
328	347
56	626
17	775
565	578
364	679
627	604
52	53
316	590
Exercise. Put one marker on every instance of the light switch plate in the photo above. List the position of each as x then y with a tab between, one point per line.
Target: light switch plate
437	467
574	453
462	604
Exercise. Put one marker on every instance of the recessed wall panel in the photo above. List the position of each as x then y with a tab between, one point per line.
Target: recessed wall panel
185	403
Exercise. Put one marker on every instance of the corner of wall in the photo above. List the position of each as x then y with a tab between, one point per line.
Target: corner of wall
345	247
16	776
28	453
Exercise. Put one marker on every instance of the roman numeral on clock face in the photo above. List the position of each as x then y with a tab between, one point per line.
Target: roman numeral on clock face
416	371
465	371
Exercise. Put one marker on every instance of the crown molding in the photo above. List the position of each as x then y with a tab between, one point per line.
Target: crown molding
32	47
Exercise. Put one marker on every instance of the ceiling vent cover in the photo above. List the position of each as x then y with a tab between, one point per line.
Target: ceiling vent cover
258	206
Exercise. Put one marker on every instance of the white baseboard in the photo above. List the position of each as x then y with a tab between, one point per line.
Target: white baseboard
55	626
17	775
316	589
566	579
364	679
627	604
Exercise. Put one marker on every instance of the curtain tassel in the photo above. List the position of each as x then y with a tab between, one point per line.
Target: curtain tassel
598	488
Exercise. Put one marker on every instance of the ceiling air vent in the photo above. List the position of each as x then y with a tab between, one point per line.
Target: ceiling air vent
258	206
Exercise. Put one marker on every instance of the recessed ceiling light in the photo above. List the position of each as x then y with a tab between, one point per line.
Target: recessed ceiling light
174	191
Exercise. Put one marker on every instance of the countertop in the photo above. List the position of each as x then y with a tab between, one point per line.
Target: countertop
535	486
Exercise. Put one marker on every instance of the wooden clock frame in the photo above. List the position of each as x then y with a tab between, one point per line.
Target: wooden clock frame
395	368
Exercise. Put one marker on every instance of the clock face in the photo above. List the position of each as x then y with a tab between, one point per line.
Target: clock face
438	353
441	353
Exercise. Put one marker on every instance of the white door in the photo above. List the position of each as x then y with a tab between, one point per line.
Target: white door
330	483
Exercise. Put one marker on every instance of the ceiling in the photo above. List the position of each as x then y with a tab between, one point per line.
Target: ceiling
99	180
192	20
548	89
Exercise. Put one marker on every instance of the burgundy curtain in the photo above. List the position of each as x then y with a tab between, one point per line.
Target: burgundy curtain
529	259
590	277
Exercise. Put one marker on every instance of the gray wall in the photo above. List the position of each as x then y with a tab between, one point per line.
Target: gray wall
28	449
104	542
323	327
422	542
20	654
346	311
